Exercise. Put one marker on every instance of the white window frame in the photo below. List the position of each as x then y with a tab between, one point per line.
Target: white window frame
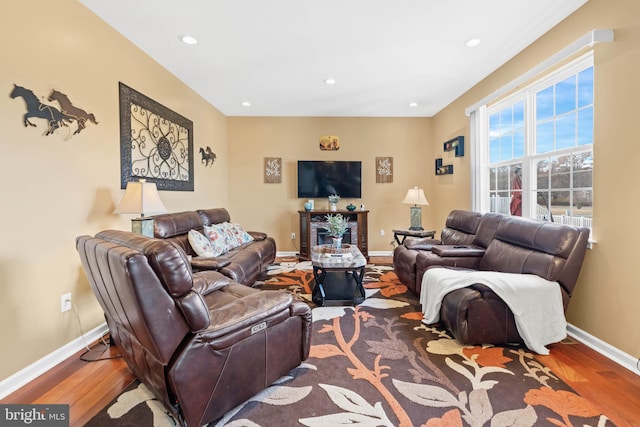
480	137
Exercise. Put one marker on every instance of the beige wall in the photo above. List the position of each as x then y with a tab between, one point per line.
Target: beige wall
605	302
55	189
274	207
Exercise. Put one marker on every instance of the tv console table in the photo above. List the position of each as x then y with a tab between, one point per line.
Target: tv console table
313	230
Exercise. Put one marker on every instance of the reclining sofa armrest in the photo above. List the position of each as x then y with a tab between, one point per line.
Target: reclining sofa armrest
299	308
257	235
204	263
458	251
243	317
208	281
424	244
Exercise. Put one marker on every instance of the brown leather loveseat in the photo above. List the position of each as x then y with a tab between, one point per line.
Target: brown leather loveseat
200	342
242	264
508	244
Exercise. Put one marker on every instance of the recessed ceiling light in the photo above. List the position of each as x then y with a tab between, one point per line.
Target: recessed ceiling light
186	39
246	104
472	42
330	81
413	104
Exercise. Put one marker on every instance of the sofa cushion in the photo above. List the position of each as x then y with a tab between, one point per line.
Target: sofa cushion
200	244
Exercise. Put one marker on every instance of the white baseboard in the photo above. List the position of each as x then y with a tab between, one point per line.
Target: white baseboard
287	254
380	253
31	372
621	358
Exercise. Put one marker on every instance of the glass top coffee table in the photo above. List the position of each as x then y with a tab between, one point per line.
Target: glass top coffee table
338	275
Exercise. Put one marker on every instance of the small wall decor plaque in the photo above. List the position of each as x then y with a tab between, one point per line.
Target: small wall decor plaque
384	170
272	170
329	143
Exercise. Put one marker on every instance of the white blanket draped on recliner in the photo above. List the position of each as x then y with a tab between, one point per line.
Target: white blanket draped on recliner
536	303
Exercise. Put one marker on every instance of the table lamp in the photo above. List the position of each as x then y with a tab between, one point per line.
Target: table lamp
415	196
141	198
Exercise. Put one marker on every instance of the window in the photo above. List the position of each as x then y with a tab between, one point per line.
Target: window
538	148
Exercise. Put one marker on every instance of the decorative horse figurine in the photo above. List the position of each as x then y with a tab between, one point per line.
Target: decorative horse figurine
207	156
69	110
35	108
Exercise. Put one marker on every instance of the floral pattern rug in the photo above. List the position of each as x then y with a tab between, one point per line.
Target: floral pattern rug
377	364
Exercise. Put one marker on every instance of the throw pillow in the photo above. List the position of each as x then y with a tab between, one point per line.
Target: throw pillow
239	234
217	234
231	240
200	244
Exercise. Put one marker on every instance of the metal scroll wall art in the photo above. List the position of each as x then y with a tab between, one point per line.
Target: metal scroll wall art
66	116
156	143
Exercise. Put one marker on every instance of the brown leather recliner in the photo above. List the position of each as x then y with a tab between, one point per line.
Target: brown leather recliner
476	315
460	228
458	255
199	341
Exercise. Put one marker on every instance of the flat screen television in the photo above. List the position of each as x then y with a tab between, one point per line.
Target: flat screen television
318	179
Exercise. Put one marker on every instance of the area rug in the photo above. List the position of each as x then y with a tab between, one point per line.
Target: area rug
377	365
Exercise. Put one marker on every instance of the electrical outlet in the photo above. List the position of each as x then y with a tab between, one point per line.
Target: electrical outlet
293	236
382	232
65	302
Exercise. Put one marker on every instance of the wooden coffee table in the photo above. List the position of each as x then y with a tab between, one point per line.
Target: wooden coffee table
338	275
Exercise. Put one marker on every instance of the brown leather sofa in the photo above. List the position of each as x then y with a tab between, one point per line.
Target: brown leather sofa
476	315
242	264
199	341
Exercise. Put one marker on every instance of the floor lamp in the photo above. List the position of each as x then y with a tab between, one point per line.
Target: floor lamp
415	196
141	198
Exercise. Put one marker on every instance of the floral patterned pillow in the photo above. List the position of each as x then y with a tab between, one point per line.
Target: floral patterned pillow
218	237
200	244
238	234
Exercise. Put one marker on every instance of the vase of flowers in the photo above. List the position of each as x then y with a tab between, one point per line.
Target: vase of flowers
336	226
333	202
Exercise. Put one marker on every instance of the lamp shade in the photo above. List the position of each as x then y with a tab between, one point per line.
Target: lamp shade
415	196
140	198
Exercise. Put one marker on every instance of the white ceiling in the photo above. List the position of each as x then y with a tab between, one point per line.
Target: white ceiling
383	54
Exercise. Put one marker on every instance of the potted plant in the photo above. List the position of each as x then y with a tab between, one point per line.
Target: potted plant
336	226
333	200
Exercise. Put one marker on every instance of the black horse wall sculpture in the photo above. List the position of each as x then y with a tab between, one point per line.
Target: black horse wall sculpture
207	155
55	119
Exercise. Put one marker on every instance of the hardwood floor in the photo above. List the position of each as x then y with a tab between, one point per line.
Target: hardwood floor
86	386
89	386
